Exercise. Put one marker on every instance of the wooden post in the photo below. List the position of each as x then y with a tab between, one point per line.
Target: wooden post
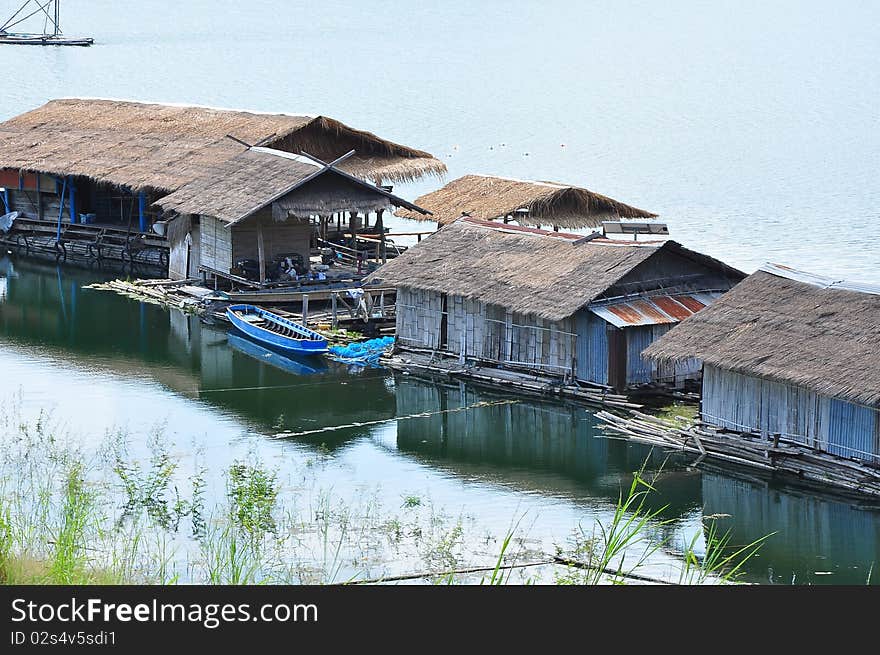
305	299
39	199
261	252
352	224
382	304
380	225
335	317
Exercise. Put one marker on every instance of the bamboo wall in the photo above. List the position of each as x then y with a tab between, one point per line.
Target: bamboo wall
486	332
418	318
742	402
491	333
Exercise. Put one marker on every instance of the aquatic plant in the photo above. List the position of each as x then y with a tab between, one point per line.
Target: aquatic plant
74	519
613	551
253	493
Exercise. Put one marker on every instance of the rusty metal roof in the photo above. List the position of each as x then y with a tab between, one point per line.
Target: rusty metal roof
654	310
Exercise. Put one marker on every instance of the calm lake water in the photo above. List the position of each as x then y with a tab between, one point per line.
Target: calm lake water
100	364
752	129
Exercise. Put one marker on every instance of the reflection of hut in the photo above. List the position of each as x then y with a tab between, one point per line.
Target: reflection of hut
562	304
257	207
543	447
528	203
792	354
107	161
809	532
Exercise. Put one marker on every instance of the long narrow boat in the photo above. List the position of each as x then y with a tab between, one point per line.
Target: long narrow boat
275	331
44	39
55	37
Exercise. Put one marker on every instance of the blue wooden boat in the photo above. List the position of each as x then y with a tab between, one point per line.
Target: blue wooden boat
275	331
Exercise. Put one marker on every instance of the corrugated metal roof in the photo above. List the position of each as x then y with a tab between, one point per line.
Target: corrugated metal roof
656	310
819	280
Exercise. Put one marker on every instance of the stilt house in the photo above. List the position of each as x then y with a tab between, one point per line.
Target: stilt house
790	354
257	206
582	308
105	162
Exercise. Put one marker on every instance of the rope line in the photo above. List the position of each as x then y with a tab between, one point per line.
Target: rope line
333	428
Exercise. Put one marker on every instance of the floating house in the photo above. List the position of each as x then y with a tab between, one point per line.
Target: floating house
258	206
105	162
791	354
524	202
581	308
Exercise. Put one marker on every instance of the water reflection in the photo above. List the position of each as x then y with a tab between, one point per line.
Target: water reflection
545	455
533	446
287	363
47	310
818	539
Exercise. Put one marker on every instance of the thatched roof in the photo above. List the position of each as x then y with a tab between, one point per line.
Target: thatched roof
529	271
258	177
796	331
530	203
162	147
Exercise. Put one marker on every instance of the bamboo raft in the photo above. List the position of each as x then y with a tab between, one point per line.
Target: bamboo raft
775	455
179	294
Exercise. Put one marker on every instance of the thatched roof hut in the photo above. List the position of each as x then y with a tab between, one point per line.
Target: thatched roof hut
789	327
160	147
257	177
547	274
529	203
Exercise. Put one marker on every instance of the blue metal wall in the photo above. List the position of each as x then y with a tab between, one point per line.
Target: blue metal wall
592	348
852	430
638	369
747	403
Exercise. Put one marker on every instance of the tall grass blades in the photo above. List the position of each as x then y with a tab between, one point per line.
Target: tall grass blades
614	551
721	561
68	562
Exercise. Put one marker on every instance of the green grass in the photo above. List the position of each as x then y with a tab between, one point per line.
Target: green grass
677	411
109	517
